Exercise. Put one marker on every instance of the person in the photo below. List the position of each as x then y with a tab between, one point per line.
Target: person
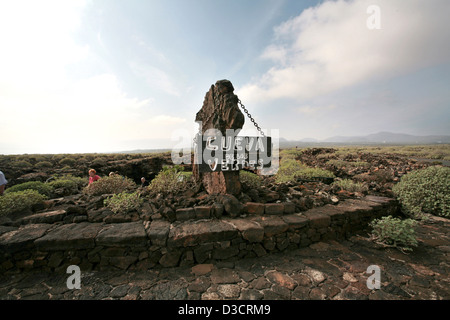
93	176
111	174
144	183
3	183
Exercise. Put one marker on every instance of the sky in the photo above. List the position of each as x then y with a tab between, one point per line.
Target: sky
80	76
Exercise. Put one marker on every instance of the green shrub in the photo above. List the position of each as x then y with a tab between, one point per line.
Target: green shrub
43	164
395	232
80	182
291	169
67	162
308	173
287	170
171	180
250	180
69	185
107	185
98	162
337	163
291	153
350	185
123	202
22	164
425	191
12	202
66	168
39	186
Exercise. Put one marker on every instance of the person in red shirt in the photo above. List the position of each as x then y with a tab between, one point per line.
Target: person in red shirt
93	176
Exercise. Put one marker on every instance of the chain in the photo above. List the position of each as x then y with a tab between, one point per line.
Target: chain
251	118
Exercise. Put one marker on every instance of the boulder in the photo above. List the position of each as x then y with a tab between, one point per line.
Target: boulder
231	205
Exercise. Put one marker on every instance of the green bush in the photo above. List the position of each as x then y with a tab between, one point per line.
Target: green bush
69	185
12	202
98	162
350	185
309	173
291	169
123	202
39	186
171	180
43	164
425	191
107	185
337	163
80	182
287	170
290	153
250	180
395	232
22	164
67	162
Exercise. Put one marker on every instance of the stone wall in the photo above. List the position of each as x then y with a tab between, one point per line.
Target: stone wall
159	243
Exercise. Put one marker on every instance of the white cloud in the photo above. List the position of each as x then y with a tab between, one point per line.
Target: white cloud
329	47
42	109
155	78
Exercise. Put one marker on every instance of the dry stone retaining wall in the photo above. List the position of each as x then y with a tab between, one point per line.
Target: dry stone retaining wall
142	245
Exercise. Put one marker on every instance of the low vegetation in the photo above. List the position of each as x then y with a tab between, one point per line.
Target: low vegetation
290	170
171	180
395	232
41	187
425	191
350	185
43	164
250	180
110	185
13	202
438	151
124	202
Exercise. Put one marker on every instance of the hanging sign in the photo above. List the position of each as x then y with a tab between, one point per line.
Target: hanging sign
215	152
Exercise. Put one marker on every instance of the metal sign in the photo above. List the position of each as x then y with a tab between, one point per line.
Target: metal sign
215	152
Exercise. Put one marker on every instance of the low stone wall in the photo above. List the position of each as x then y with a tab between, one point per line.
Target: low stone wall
142	245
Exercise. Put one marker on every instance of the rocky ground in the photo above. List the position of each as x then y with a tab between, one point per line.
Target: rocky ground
324	270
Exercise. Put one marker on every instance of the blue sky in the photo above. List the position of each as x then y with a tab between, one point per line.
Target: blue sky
100	76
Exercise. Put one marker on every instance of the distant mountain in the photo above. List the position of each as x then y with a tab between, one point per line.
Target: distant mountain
376	138
389	138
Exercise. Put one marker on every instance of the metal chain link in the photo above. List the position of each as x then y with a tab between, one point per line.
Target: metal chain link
251	118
